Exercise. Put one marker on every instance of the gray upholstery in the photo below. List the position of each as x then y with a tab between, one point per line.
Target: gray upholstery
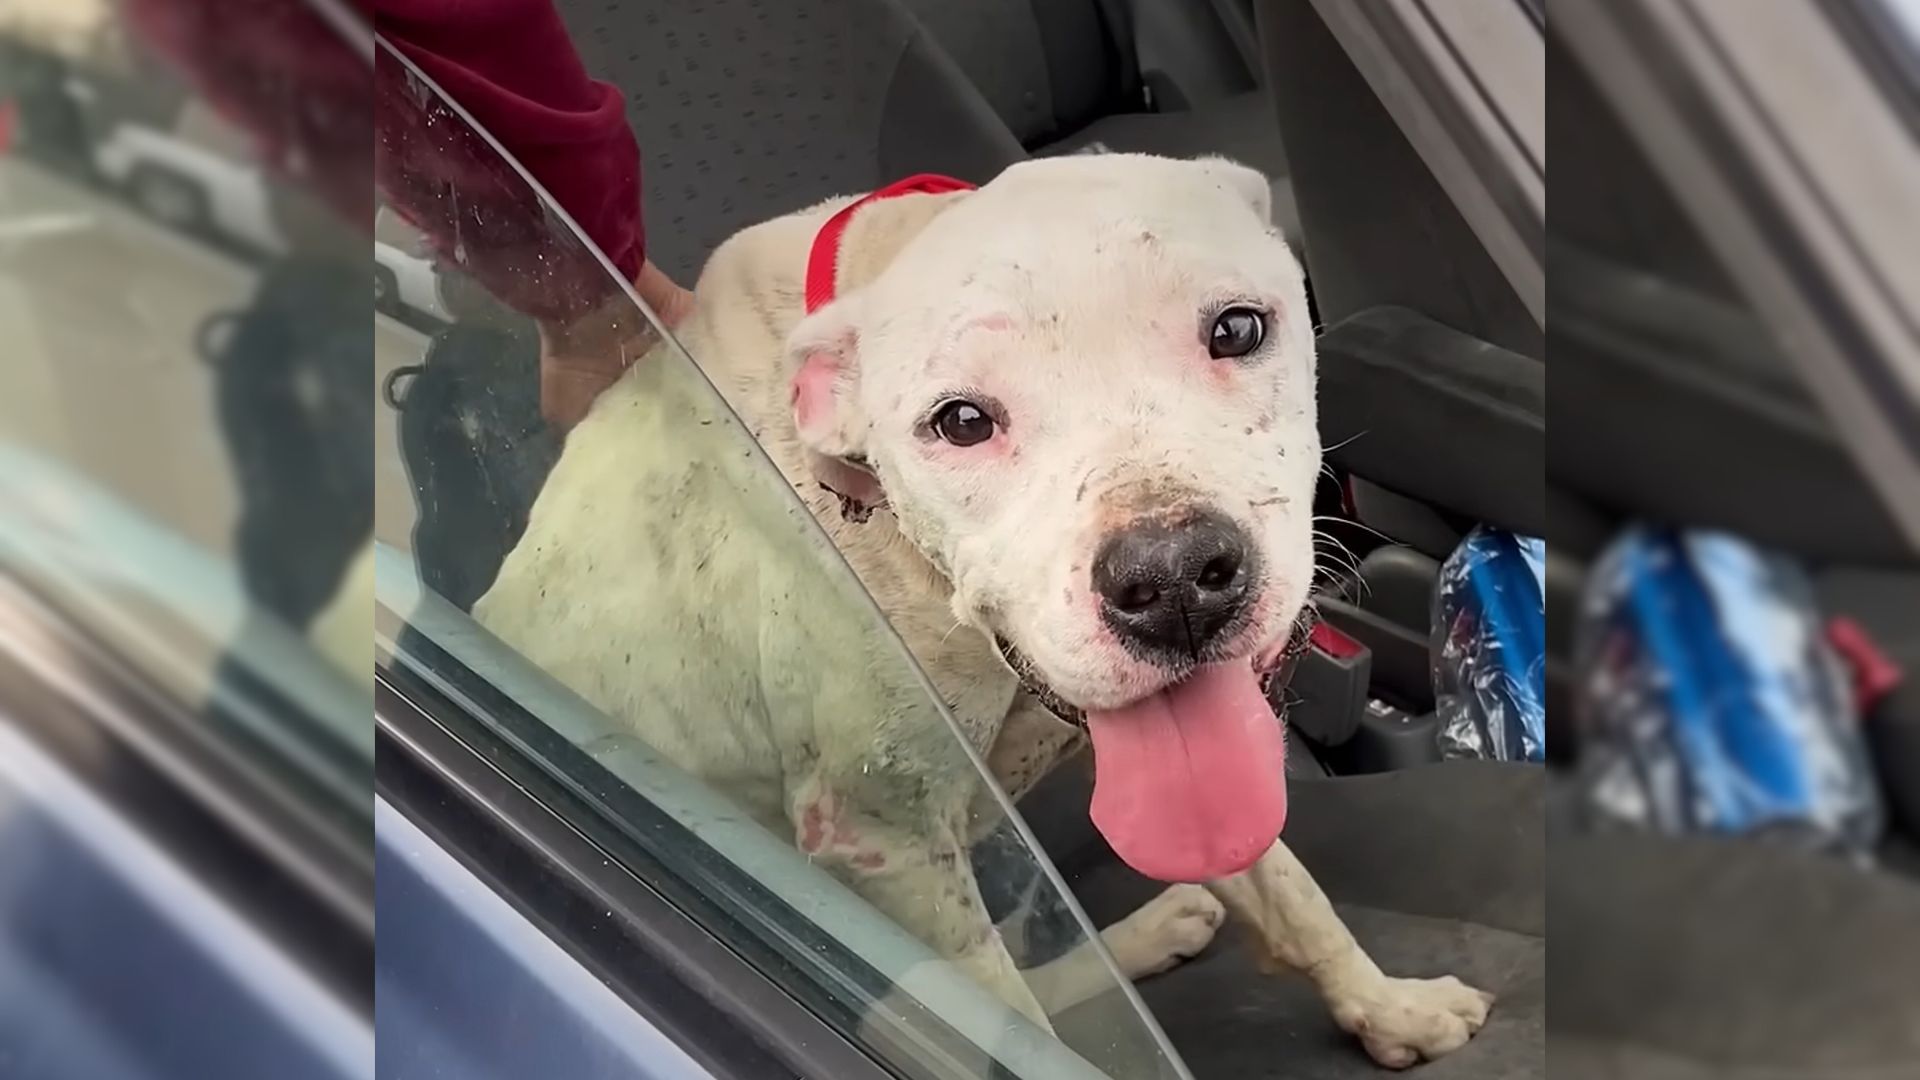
1437	870
748	109
1706	957
1048	67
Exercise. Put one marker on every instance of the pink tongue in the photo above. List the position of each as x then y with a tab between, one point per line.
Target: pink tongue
1190	784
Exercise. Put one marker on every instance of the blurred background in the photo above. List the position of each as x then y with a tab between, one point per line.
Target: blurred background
1734	589
186	739
1718	719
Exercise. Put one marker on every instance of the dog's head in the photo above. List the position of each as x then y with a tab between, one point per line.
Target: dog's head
1087	391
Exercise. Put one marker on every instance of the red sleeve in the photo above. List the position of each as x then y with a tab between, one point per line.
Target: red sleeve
511	64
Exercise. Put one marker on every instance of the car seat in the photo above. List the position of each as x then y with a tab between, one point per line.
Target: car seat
1432	387
1067	76
747	109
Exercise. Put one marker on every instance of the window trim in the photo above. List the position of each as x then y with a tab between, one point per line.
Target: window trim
153	762
669	969
1888	50
1432	65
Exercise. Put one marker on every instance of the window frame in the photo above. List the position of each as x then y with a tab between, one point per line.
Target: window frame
153	762
1466	85
523	837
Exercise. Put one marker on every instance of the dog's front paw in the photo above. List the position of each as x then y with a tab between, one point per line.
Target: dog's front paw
1402	1022
1172	927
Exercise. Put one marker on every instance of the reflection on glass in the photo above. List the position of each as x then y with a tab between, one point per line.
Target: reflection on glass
755	642
184	453
1906	16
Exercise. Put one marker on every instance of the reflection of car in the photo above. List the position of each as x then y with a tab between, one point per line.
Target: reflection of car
198	178
405	279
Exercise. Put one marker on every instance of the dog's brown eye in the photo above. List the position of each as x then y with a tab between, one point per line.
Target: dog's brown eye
1236	332
962	423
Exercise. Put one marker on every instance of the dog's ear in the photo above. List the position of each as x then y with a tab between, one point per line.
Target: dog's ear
1248	183
824	394
823	353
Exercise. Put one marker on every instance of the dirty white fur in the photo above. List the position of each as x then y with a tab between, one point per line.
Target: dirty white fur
661	579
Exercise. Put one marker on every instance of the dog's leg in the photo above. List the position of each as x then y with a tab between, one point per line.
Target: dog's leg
1400	1021
1170	928
914	868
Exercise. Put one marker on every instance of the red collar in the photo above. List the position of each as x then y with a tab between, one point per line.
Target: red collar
823	261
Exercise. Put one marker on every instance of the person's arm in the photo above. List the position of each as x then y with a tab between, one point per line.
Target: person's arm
512	66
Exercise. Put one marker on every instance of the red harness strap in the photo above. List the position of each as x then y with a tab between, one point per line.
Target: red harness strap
823	261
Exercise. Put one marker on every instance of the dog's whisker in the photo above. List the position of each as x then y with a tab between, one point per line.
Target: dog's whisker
1345	569
1343	559
1342	582
1355	524
1343	442
1320	535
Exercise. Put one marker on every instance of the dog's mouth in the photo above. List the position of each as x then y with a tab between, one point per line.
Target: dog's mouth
1189	781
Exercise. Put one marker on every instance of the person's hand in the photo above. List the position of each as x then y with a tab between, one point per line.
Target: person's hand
664	295
579	361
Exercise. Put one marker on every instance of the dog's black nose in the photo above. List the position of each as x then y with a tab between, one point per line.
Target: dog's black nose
1170	590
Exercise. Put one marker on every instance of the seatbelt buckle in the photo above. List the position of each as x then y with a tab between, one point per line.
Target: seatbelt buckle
1328	692
1875	675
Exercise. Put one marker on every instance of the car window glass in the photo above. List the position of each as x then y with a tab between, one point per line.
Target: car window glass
778	635
180	455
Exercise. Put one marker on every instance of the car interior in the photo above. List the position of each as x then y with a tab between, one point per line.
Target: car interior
1433	399
1426	250
747	110
1687	409
1635	289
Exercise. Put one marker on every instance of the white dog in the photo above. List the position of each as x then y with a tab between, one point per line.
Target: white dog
1063	430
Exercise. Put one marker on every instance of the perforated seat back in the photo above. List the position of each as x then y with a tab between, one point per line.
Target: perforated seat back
748	109
1048	67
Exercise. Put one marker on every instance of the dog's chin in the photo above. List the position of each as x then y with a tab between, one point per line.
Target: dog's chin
1273	664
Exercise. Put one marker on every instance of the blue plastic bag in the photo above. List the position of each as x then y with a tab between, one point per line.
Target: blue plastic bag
1489	649
1709	699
